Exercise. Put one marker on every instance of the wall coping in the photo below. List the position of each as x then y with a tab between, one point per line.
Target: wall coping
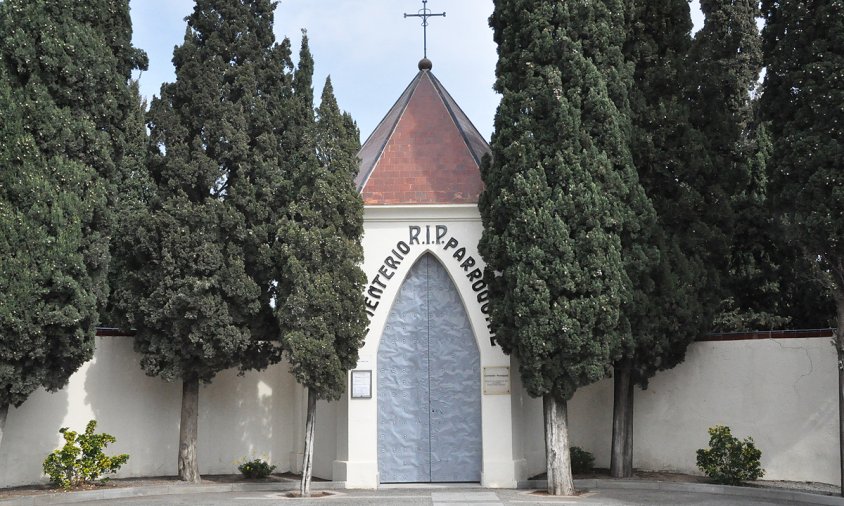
767	334
721	336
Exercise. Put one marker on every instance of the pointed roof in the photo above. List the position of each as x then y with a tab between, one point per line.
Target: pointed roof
424	151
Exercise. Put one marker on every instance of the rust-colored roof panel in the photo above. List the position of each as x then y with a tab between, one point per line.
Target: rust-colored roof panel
425	151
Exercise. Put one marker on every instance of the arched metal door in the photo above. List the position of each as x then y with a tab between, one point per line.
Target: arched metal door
429	393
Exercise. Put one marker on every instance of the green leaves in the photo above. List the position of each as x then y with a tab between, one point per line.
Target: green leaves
728	460
81	460
664	313
320	306
256	469
247	244
803	87
562	201
196	283
64	68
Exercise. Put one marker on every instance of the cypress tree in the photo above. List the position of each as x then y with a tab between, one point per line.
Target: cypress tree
690	145
187	290
753	295
761	284
604	42
727	54
65	70
560	204
79	54
320	284
47	303
662	312
724	65
770	282
134	191
802	95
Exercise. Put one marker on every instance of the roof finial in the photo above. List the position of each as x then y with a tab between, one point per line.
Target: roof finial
424	13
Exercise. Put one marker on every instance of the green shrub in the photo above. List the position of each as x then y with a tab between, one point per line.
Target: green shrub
728	460
81	459
257	468
581	461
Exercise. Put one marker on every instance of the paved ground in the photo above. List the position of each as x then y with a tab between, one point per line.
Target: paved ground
454	497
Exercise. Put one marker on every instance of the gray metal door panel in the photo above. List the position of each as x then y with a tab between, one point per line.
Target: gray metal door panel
429	404
455	371
403	393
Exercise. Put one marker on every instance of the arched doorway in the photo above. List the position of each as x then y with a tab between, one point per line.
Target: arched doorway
429	392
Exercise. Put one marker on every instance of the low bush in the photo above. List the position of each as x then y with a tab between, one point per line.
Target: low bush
728	460
581	460
255	469
81	459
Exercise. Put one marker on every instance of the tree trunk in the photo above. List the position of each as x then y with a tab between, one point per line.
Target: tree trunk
628	440
188	465
4	411
621	455
308	459
557	456
839	348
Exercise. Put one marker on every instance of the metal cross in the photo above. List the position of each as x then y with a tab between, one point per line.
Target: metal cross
424	13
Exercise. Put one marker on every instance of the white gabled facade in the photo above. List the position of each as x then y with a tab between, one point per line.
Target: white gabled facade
395	238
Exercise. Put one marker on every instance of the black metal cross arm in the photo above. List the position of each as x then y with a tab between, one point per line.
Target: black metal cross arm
425	13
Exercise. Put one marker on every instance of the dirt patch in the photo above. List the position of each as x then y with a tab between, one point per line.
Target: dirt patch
298	477
544	493
8	493
314	495
604	474
666	476
158	481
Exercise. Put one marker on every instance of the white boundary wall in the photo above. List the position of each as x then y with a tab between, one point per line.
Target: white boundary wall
782	392
254	415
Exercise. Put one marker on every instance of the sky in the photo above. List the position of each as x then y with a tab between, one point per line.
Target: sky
367	47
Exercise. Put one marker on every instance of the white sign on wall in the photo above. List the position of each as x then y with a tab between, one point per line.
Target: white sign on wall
361	384
496	380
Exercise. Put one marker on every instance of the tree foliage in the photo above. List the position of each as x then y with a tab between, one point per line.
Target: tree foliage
802	96
804	81
77	56
188	293
771	283
47	302
723	67
656	43
320	284
196	279
683	124
557	199
246	245
567	226
64	71
134	190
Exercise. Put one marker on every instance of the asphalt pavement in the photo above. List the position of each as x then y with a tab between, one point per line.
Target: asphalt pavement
639	495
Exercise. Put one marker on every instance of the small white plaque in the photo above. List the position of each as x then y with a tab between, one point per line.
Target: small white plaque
496	380
361	384
364	362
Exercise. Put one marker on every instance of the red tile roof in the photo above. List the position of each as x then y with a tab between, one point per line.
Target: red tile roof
424	151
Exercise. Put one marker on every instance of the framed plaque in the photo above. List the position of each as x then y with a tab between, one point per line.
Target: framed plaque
361	384
496	380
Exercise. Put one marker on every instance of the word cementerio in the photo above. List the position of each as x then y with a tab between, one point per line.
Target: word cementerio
427	235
